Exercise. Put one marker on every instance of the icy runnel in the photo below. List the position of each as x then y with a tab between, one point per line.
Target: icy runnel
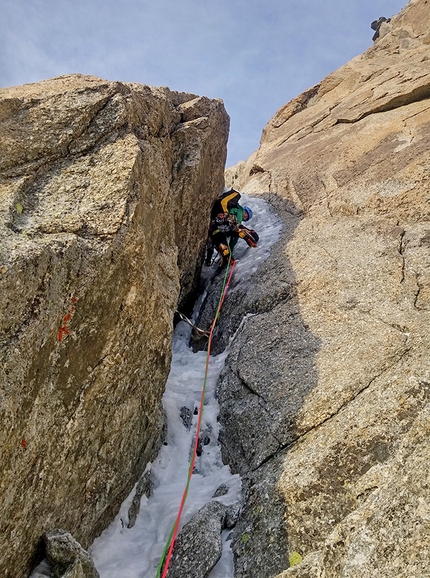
135	552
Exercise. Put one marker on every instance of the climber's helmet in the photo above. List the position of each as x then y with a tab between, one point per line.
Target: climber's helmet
247	213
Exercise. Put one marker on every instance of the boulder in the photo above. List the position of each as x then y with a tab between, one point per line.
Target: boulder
67	557
105	194
199	546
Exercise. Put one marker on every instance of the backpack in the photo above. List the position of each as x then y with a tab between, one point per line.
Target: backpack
225	202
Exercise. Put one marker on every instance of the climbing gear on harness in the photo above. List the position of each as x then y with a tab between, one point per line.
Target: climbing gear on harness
188	321
224	261
163	566
225	223
224	250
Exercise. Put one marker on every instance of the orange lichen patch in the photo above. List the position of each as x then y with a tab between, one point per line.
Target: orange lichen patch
64	331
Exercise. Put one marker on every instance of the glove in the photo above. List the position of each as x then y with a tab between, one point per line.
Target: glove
250	236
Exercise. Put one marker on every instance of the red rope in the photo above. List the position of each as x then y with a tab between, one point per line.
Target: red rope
173	535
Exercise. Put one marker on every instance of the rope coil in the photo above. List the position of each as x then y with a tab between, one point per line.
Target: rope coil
165	559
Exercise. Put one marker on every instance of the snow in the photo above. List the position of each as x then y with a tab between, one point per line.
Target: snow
136	552
268	227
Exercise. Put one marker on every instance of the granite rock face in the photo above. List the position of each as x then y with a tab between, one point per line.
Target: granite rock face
66	556
105	188
199	546
328	388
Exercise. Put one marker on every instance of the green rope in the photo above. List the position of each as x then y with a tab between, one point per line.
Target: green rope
172	535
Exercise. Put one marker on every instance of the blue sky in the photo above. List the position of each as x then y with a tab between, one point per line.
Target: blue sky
254	54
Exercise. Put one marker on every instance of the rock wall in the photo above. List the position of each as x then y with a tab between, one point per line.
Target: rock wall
326	394
105	193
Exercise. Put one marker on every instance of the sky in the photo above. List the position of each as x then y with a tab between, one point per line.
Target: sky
256	55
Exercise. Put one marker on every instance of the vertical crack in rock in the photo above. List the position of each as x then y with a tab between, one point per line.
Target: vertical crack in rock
401	253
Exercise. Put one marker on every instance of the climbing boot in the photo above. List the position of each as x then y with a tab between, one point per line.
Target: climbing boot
223	262
224	251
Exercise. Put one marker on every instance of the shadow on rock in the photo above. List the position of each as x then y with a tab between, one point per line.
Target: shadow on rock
269	372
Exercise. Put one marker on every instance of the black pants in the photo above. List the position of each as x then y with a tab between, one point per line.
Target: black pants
219	241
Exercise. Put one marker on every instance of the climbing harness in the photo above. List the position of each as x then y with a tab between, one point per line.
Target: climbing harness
167	553
184	318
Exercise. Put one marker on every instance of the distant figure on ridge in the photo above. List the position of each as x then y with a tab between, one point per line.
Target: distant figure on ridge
376	25
226	227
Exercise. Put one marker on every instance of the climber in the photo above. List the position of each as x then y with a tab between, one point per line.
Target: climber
376	25
226	227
